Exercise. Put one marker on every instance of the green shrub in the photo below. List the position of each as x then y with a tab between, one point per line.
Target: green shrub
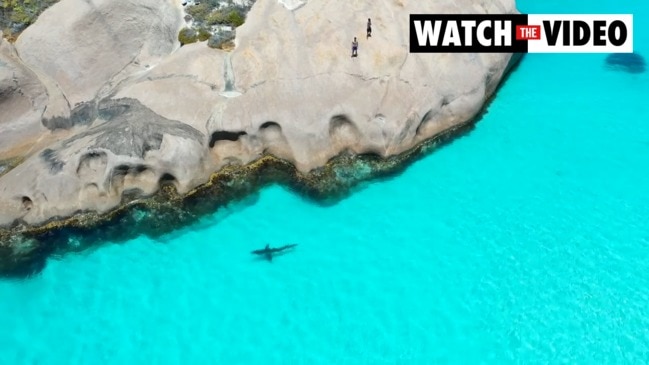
18	14
216	17
220	39
199	12
187	36
235	18
232	17
204	34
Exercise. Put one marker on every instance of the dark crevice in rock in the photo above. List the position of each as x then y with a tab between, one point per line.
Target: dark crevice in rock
270	124
339	120
167	178
91	161
168	181
138	169
121	170
343	130
27	203
225	136
427	117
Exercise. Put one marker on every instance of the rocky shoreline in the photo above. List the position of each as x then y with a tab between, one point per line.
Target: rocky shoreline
24	249
158	133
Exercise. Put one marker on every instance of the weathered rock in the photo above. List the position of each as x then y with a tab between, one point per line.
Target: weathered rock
89	47
374	103
23	100
184	87
290	88
131	151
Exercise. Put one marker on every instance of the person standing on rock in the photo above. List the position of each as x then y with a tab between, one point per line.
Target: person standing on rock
355	48
369	27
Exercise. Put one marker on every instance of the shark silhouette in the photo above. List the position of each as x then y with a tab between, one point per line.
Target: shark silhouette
268	251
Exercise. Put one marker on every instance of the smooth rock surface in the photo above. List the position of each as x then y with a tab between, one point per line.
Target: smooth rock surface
89	47
138	109
23	100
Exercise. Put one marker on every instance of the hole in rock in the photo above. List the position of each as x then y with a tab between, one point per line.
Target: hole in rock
225	136
27	203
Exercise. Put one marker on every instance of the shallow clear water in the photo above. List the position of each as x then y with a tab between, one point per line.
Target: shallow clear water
526	241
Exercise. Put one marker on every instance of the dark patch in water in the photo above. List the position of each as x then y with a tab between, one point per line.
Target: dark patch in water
30	261
627	62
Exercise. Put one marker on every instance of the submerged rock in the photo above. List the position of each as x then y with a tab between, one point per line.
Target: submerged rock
119	109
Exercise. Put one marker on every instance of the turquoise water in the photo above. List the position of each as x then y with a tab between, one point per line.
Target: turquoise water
526	241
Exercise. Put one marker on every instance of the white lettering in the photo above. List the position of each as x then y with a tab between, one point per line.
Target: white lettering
481	37
468	31
452	35
425	33
582	33
502	33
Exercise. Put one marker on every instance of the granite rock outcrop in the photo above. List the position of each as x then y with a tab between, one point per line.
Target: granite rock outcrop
101	101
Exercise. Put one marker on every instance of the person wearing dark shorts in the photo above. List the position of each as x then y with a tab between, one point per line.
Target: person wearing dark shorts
369	27
355	48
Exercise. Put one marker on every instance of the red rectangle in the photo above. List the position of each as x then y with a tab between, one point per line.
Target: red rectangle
527	32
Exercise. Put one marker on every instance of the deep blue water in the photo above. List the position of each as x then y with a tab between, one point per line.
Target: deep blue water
526	241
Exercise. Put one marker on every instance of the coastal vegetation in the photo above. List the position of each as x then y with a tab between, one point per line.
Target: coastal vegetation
213	20
16	15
